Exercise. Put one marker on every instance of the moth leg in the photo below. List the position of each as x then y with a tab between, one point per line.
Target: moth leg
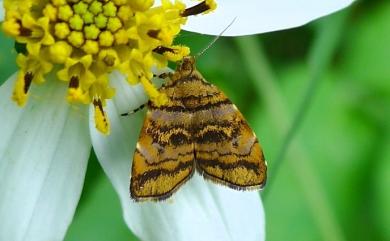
165	75
134	111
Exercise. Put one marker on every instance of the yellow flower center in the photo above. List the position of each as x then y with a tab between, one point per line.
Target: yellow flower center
88	39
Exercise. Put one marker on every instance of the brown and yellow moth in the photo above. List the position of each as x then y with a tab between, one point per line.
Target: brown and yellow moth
198	129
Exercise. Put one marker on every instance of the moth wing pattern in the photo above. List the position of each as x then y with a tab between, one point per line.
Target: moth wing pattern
226	149
164	157
199	128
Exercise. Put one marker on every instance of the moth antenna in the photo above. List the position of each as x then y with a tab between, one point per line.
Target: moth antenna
215	39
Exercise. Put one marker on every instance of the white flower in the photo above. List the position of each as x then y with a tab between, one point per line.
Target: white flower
259	16
44	148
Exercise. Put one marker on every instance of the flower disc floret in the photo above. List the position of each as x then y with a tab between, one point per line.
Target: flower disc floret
88	39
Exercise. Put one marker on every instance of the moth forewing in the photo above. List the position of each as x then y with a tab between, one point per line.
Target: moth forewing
162	161
226	149
198	128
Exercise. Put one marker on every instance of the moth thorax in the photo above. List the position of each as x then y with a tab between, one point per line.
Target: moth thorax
187	66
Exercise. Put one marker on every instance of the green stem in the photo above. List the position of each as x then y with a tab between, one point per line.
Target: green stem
320	56
261	73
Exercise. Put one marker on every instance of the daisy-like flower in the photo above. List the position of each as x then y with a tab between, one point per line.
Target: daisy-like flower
88	52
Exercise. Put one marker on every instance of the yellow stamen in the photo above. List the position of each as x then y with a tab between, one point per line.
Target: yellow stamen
157	97
106	39
124	13
61	30
91	47
65	12
121	37
76	38
101	21
110	9
91	32
80	8
114	24
76	22
178	53
96	7
22	86
51	12
101	120
11	27
88	18
88	39
60	52
58	2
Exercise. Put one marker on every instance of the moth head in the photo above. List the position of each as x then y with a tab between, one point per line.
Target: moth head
187	66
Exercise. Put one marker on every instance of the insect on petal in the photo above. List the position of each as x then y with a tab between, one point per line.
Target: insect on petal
195	130
200	211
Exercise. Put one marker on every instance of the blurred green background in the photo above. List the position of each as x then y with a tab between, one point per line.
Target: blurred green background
318	98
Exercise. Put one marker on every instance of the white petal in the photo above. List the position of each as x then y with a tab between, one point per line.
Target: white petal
44	148
259	16
198	211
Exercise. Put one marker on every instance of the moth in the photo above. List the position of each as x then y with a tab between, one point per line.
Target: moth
199	129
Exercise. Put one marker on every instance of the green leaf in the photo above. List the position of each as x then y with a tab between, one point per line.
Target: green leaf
7	58
99	218
367	54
